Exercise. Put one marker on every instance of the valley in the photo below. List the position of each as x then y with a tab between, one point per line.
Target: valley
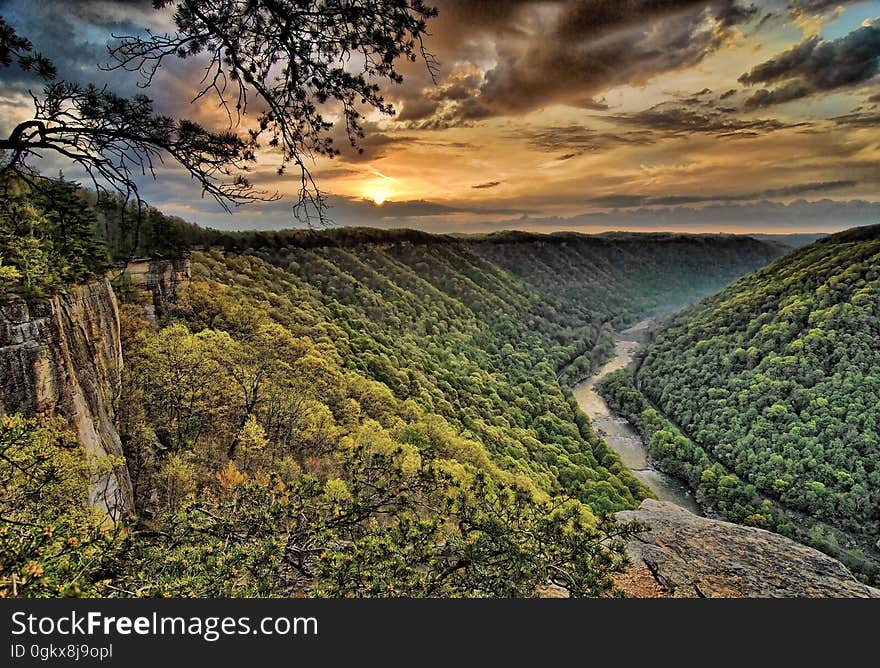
358	412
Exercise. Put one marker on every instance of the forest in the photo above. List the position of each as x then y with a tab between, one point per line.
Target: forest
774	384
341	412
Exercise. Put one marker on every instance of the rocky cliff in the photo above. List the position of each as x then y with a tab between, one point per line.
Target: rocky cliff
156	281
63	356
694	557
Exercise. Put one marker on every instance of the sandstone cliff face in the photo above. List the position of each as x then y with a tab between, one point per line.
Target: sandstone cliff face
696	557
156	281
63	356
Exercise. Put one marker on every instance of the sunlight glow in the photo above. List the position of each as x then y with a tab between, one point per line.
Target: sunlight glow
378	192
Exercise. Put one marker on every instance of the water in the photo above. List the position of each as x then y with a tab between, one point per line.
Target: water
617	431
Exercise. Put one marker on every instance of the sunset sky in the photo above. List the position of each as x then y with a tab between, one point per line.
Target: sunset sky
566	115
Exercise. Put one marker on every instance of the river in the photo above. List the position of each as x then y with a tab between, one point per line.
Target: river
617	430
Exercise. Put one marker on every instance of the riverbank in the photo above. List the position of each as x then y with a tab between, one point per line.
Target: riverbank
619	433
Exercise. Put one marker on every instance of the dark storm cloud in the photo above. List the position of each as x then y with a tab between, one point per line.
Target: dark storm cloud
458	86
816	66
623	201
543	53
566	52
732	13
677	118
75	34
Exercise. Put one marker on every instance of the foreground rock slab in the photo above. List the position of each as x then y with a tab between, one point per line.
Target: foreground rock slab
696	557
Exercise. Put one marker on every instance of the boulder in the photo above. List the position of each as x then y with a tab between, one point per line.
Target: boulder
697	557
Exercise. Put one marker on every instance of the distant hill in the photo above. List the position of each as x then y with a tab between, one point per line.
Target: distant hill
791	240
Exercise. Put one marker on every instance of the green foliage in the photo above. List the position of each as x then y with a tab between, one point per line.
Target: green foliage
387	526
592	285
434	325
776	379
47	237
131	229
676	454
363	412
268	443
52	542
9	277
53	234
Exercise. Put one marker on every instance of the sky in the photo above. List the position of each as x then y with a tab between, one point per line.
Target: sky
584	115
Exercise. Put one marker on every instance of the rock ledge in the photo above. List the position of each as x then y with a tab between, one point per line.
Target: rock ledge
695	557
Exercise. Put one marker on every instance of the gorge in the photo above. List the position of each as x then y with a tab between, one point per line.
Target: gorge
299	350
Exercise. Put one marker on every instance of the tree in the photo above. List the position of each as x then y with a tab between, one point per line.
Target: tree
9	276
27	249
72	224
52	543
295	62
113	138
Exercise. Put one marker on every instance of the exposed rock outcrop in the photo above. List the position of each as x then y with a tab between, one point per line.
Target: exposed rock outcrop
695	557
156	281
63	356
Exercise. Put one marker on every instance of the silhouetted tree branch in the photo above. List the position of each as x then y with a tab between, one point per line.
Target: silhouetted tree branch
302	65
113	139
297	61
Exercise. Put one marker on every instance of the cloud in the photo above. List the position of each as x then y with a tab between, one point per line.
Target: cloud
374	145
801	215
77	44
623	201
511	58
816	66
758	217
816	7
680	118
348	209
578	139
859	119
486	186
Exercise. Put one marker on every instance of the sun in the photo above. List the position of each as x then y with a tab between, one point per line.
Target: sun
378	194
378	191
